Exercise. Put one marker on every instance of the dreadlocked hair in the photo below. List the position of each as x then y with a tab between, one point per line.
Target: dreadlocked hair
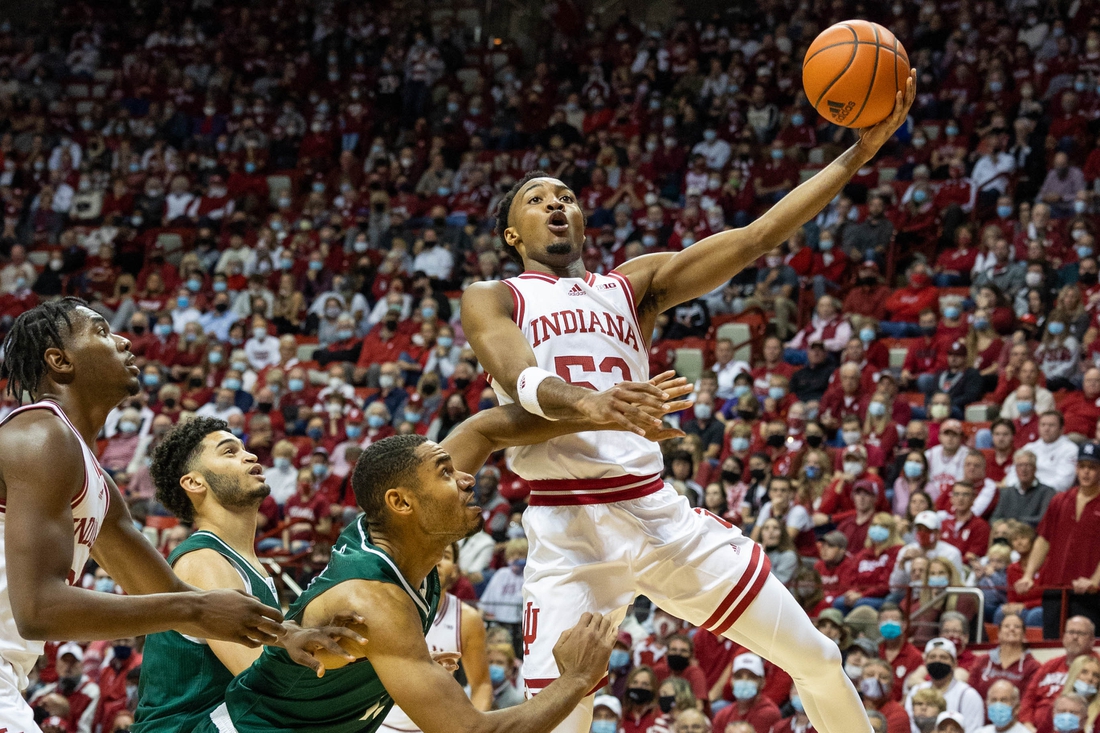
34	332
504	207
173	458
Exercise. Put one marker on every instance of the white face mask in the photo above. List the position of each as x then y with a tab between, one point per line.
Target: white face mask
851	437
853	468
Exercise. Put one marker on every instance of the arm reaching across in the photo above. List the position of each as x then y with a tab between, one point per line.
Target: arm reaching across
668	279
431	696
471	443
505	353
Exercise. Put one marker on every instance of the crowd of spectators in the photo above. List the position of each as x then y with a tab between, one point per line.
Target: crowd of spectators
280	204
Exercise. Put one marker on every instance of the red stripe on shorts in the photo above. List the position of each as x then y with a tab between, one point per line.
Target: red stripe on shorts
610	497
749	597
754	560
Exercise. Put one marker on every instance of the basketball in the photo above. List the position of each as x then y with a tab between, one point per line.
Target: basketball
852	72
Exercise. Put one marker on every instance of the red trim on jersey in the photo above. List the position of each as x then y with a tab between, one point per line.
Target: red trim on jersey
517	304
628	291
538	498
529	275
590	279
539	684
588	484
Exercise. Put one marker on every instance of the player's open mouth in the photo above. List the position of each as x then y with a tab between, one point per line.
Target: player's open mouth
257	470
558	223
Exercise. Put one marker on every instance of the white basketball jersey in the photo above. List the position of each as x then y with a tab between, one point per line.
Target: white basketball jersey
586	331
89	507
445	635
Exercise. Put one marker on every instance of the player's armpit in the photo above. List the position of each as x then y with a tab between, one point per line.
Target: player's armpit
209	570
500	345
127	556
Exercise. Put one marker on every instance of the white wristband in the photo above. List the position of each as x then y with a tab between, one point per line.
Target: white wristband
527	389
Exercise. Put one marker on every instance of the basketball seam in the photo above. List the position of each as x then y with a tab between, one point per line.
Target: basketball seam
855	50
874	75
897	85
843	43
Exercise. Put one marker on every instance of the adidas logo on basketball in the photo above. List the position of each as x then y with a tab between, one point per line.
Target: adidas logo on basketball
839	110
576	290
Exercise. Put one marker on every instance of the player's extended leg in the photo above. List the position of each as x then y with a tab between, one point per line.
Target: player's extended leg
775	627
15	714
577	562
700	568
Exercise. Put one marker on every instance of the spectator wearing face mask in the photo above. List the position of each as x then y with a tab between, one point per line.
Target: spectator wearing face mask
749	704
607	714
876	688
904	306
282	477
872	566
76	687
502	600
502	675
939	660
838	497
640	709
121	448
1070	714
1026	421
113	679
835	565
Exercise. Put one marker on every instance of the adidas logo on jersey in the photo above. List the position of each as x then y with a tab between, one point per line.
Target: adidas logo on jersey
576	290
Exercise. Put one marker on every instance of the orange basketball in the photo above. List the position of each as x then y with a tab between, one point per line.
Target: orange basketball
852	72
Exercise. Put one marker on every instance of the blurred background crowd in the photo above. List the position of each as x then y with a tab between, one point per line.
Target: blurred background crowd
280	204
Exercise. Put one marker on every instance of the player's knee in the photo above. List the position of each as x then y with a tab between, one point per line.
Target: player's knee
824	653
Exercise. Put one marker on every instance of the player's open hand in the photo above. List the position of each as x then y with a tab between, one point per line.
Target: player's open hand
873	138
308	647
233	615
625	405
585	649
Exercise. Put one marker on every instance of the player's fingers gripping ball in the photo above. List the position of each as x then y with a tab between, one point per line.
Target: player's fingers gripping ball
853	71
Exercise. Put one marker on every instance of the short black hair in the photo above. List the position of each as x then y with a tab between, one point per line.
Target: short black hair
382	466
173	459
504	206
34	332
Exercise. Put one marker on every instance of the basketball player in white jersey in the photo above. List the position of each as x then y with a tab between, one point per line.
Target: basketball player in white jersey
457	633
57	508
603	527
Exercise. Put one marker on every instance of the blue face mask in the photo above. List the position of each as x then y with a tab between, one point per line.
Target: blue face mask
797	120
777	393
877	409
739	444
1084	251
605	726
1084	689
920	196
319	469
981	323
240	366
777	154
1000	714
446	341
813	473
1024	407
951	130
295	385
413	417
150	380
744	689
105	585
1004	211
232	383
215	357
183	302
878	533
890	629
913	469
375	421
220	287
194	285
427	312
353	431
796	703
163	329
286	263
939	581
250	167
282	463
825	245
316	265
620	658
315	434
740	390
344	334
496	674
1066	722
1056	328
866	335
951	312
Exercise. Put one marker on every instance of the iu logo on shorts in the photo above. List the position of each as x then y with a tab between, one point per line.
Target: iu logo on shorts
530	627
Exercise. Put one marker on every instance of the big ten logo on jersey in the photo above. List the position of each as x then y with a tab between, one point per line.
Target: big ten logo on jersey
85	530
530	627
582	320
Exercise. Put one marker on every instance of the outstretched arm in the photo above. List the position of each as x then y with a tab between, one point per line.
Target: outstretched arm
428	692
665	280
503	350
472	442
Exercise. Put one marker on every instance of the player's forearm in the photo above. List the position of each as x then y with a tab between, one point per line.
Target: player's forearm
560	400
542	713
135	564
59	612
807	199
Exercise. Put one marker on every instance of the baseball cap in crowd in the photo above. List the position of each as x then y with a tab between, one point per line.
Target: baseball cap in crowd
1089	452
928	519
951	425
957	349
835	539
856	451
865	645
952	716
73	648
611	703
625	639
941	643
832	615
866	485
750	662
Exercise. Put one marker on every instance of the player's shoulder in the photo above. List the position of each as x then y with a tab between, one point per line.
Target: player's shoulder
487	296
24	435
208	569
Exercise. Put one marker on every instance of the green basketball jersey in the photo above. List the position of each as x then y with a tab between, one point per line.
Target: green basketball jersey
275	694
182	680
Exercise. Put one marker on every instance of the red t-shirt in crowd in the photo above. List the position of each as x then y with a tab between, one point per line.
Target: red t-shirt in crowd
763	714
908	659
971	536
1074	553
837	578
693	675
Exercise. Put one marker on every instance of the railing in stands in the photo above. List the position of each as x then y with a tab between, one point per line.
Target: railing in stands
958	591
